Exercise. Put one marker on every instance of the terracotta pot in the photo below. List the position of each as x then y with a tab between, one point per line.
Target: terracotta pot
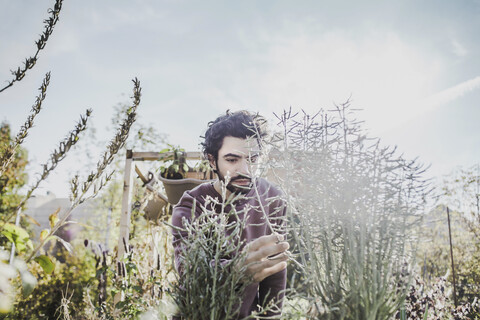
175	188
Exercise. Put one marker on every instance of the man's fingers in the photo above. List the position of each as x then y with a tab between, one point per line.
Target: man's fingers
266	256
280	256
264	240
259	276
267	251
258	266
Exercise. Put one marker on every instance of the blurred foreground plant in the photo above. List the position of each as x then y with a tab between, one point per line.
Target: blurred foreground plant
70	278
353	207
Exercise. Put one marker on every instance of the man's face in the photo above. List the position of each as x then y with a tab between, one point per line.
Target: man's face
237	159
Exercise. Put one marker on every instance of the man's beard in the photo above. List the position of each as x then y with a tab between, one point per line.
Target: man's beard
237	189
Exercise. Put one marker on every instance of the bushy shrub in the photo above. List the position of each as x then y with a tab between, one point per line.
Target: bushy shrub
143	277
68	280
209	285
434	258
432	302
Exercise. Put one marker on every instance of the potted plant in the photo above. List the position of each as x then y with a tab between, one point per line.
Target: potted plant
177	176
201	171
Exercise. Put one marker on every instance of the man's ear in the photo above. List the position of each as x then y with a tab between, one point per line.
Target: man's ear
213	163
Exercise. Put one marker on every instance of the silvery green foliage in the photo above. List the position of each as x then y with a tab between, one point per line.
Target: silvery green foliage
353	208
209	284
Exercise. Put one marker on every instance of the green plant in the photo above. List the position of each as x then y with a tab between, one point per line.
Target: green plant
174	164
69	278
203	167
12	174
142	276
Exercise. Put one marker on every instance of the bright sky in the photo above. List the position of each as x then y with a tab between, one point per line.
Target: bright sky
412	66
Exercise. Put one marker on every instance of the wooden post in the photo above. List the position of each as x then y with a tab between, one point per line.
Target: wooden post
125	218
125	215
17	223
451	255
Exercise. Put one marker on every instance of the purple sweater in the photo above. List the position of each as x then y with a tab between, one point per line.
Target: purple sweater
255	228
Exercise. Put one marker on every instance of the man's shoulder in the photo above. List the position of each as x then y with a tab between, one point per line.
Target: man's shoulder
194	198
199	194
204	189
266	186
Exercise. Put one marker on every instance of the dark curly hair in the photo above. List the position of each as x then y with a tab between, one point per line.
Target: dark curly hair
239	124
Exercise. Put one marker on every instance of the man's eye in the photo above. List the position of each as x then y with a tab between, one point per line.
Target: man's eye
253	159
231	160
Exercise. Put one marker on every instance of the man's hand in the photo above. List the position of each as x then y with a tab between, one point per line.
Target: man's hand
266	256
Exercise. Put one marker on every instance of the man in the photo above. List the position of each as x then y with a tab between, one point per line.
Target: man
232	146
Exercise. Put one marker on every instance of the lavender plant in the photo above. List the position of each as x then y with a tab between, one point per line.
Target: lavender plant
30	62
96	179
143	278
18	236
80	192
9	153
353	205
209	283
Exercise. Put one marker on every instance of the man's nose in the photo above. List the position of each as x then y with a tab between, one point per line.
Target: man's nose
244	167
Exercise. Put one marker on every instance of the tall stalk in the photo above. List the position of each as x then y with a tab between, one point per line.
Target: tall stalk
30	62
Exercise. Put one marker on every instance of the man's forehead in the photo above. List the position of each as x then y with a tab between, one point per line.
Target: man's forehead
239	146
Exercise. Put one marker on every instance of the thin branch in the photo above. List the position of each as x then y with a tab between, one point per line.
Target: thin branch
112	149
30	62
57	155
9	154
78	192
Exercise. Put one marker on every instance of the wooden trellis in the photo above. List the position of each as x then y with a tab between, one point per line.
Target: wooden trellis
125	218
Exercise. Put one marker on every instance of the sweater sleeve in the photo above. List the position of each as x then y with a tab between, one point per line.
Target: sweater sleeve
184	210
180	212
273	287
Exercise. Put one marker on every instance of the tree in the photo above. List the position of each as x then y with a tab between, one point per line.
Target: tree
461	191
14	176
434	252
